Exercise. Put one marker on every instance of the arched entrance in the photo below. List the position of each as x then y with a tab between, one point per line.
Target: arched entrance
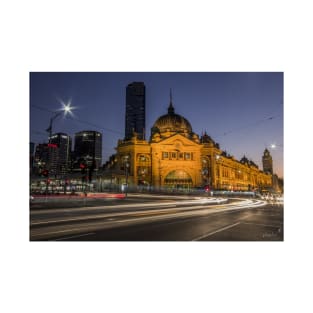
178	179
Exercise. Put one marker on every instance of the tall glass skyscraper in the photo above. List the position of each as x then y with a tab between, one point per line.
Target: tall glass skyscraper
135	118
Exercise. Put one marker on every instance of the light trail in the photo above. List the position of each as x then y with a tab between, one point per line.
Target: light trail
132	218
129	206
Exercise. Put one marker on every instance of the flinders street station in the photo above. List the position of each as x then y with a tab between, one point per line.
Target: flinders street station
176	157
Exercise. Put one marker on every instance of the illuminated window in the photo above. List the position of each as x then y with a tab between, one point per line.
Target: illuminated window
165	155
187	156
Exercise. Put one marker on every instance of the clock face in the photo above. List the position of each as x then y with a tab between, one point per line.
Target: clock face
177	145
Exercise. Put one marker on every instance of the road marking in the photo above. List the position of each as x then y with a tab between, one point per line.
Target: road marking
187	212
75	236
266	225
216	231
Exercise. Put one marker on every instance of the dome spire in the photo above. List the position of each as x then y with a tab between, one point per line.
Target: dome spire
171	108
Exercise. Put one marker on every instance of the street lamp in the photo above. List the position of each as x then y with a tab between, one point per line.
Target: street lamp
274	146
67	109
218	162
205	172
126	165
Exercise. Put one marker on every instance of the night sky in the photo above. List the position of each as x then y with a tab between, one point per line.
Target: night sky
243	112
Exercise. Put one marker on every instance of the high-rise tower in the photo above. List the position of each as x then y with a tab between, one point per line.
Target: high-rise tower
267	162
60	147
135	118
88	147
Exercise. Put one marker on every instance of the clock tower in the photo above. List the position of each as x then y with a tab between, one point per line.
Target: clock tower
267	162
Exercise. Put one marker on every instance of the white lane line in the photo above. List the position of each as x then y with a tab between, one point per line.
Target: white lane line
143	219
75	236
59	231
216	231
169	215
266	225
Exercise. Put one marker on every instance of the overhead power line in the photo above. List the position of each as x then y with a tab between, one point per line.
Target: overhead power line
41	108
81	121
251	125
38	132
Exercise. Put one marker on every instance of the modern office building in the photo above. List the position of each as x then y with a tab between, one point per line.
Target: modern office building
267	162
135	117
176	157
60	146
88	148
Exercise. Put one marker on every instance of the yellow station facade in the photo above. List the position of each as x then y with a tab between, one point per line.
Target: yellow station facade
176	157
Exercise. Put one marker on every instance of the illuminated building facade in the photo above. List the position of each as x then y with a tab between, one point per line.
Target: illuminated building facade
59	153
176	157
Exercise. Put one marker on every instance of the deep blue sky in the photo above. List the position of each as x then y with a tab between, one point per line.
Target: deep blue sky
243	112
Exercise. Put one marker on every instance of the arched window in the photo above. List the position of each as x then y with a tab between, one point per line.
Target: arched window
178	179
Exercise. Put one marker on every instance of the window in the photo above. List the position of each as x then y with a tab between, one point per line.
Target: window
187	156
174	155
165	155
181	155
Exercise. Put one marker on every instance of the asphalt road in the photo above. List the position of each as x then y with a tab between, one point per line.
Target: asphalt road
157	219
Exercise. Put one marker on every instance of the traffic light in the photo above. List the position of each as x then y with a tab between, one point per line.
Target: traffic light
83	167
45	173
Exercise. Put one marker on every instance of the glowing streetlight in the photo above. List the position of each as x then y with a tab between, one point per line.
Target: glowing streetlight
274	146
67	109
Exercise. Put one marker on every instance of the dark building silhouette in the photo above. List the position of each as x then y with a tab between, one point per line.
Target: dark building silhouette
31	156
31	148
42	154
41	158
135	118
88	148
60	147
267	162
